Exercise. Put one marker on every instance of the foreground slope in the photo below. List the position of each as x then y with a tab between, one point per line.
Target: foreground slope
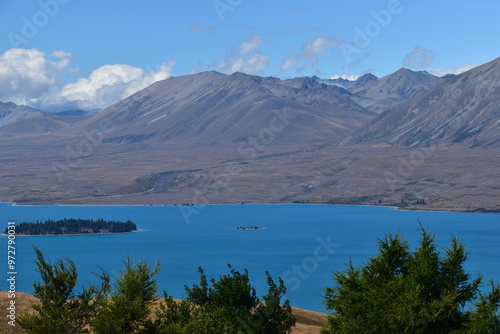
308	322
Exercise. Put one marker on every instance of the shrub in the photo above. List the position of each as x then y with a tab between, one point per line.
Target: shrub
400	291
61	309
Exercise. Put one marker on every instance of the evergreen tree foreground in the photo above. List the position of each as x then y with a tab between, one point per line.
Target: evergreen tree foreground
228	305
404	291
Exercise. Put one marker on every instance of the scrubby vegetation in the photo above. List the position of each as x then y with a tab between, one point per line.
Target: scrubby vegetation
74	226
228	305
400	291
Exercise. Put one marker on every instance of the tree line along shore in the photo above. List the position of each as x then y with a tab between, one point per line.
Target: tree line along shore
74	226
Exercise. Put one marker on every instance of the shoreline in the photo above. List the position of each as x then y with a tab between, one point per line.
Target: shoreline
65	235
397	208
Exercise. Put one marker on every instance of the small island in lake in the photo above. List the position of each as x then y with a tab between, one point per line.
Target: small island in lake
74	226
250	228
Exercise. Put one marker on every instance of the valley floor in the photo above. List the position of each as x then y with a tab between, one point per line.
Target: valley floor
431	179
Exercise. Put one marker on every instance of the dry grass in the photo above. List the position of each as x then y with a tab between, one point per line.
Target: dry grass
308	322
23	303
449	179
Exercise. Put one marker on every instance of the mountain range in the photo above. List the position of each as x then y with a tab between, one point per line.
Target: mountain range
379	94
462	110
11	113
295	140
213	108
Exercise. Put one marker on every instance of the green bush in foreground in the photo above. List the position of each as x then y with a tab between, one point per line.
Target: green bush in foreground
400	291
228	305
128	308
61	310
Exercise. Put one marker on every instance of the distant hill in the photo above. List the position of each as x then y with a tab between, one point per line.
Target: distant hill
462	110
216	138
381	94
348	84
11	113
76	112
214	108
15	119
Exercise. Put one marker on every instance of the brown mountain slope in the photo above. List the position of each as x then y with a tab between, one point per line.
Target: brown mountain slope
213	108
39	125
381	94
11	113
18	119
464	110
213	138
348	84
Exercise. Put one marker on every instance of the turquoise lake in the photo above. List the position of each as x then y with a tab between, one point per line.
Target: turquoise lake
303	244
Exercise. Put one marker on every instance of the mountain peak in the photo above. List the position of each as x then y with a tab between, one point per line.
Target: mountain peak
364	79
463	110
216	108
367	76
11	113
381	94
404	70
7	104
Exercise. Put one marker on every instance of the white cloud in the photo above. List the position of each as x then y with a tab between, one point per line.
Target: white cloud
309	54
106	85
244	60
26	74
318	46
253	42
288	62
419	58
61	54
253	64
30	77
74	70
195	29
464	67
350	77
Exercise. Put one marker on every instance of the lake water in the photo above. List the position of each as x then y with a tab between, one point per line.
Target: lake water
303	244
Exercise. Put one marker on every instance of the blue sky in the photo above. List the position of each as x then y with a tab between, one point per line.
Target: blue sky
59	54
